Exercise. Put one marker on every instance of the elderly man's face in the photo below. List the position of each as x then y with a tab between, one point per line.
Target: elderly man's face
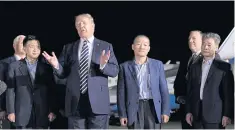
84	26
195	41
141	46
209	47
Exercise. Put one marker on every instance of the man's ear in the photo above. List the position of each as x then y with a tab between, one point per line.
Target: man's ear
14	46
132	46
216	48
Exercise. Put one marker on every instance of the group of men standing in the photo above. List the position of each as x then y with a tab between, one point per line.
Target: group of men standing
203	87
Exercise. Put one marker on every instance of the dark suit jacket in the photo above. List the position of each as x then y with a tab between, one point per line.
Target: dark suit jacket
128	90
3	72
218	93
97	80
22	94
60	93
180	83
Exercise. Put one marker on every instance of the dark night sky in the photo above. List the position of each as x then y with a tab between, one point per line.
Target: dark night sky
166	23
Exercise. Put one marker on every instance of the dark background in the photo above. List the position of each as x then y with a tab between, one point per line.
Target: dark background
166	23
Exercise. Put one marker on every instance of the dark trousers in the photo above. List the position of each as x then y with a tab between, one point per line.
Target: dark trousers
201	124
183	113
84	118
146	116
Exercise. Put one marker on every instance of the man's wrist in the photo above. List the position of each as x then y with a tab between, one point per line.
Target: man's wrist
102	66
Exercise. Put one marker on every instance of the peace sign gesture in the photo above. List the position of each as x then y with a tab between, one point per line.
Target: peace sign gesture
51	59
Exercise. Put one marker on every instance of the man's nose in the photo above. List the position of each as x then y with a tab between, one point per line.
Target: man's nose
206	47
191	40
81	24
141	46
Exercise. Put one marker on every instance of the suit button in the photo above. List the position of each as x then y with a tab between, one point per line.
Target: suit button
137	102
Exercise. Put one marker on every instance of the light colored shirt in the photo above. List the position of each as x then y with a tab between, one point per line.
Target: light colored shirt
205	70
17	57
31	68
90	43
143	78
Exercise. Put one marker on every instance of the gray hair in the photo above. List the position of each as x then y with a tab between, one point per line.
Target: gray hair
214	36
86	15
16	40
138	36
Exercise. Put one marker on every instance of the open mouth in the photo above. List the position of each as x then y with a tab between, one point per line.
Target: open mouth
83	30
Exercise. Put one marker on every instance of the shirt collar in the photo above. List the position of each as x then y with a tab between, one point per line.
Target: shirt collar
17	57
144	63
90	40
208	62
27	61
197	53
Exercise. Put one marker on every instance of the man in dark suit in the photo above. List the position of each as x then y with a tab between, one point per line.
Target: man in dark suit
194	42
142	92
210	89
29	96
86	67
18	54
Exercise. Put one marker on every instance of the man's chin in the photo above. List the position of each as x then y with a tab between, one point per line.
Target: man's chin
206	55
82	35
142	55
35	57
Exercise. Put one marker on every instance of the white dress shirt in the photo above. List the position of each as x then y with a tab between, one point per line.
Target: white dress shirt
143	78
90	43
17	57
205	70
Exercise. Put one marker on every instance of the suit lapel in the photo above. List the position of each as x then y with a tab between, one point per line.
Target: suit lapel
95	51
133	72
24	71
199	71
39	70
75	50
75	56
13	59
152	72
197	58
211	70
192	61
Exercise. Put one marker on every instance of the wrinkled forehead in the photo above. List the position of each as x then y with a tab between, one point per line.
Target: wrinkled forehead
208	41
